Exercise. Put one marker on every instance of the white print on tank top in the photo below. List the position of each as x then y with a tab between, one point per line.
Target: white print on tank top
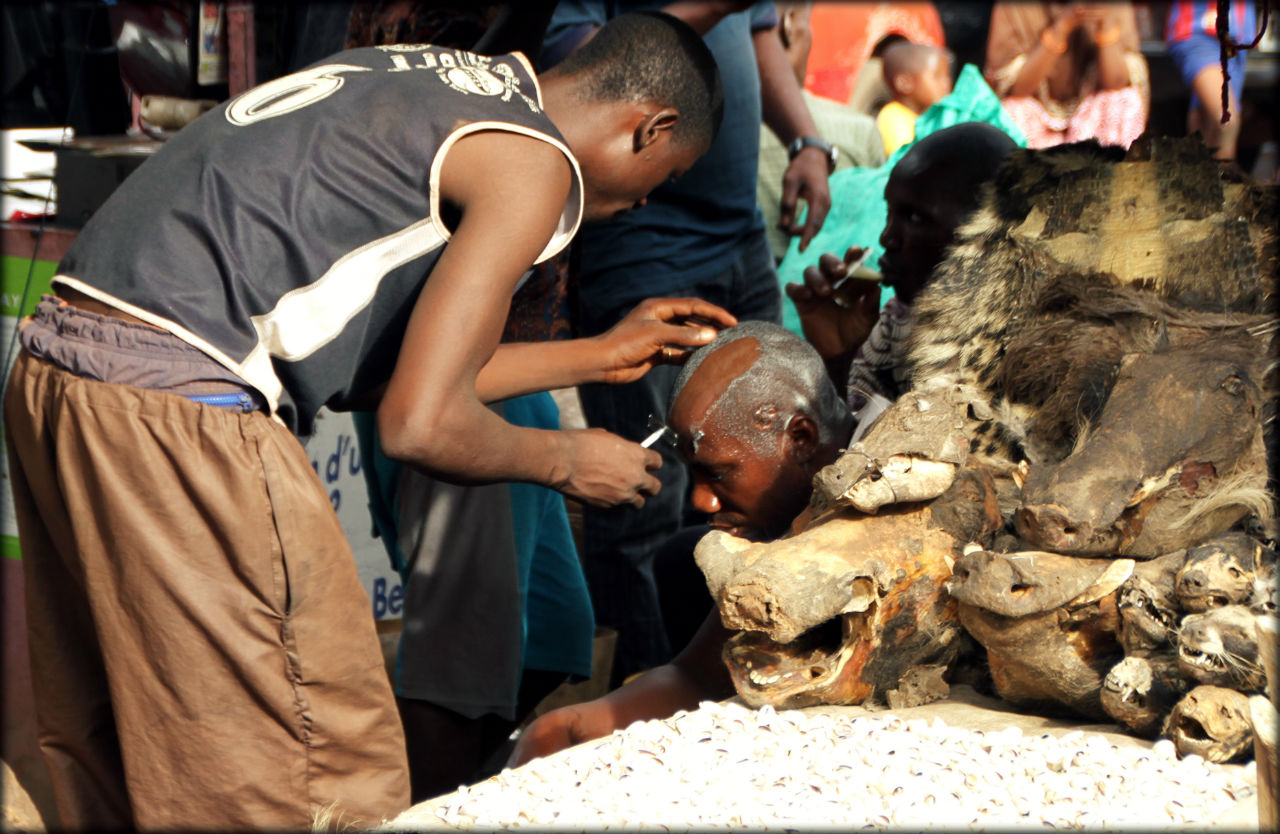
465	72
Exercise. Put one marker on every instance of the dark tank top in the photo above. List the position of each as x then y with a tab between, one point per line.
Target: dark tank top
288	232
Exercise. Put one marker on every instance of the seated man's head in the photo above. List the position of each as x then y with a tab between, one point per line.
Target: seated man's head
934	187
755	417
917	74
644	101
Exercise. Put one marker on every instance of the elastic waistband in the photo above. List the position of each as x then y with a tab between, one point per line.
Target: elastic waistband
124	353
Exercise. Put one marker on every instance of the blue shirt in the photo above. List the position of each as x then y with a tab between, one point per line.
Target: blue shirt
690	227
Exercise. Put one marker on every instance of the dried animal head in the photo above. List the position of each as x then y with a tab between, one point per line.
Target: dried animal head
1113	313
1211	722
1139	692
841	611
1147	480
1148	607
1050	639
1264	596
1219	572
1220	647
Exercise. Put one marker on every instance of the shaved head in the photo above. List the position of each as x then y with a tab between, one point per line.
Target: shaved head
755	417
752	378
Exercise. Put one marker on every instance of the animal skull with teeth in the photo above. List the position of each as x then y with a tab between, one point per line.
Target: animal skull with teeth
1138	692
1220	648
1211	722
839	612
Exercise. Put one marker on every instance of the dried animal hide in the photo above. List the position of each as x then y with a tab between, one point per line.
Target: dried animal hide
1079	264
1049	624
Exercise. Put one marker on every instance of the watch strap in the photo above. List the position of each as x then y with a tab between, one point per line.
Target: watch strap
801	142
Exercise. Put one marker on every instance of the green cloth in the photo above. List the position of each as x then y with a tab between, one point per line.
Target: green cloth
858	208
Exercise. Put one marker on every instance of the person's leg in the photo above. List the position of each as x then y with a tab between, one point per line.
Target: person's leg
618	542
1206	90
755	294
445	747
244	673
458	663
1199	61
682	588
75	724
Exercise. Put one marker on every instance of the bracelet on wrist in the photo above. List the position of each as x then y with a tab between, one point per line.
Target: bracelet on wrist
1051	42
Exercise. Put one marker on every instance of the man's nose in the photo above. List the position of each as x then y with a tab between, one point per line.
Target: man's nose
704	498
888	237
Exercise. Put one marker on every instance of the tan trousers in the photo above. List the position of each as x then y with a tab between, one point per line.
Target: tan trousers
203	654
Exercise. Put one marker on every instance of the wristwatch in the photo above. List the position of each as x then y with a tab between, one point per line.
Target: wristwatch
802	142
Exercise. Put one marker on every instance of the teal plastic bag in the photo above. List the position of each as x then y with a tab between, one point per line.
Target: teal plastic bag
858	209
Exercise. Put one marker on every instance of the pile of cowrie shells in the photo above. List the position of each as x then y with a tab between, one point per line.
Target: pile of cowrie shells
727	766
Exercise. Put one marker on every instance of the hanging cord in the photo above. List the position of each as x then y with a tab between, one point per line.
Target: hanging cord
1228	48
44	214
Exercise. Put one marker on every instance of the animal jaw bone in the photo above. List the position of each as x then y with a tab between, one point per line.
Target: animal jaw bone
812	608
1148	608
840	611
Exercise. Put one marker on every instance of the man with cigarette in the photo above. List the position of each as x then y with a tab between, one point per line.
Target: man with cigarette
932	189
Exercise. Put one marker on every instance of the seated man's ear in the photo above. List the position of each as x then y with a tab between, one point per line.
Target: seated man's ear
653	126
801	438
904	85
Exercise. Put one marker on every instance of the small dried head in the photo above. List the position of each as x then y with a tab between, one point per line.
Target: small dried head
1148	616
1137	696
1220	647
1219	572
1211	722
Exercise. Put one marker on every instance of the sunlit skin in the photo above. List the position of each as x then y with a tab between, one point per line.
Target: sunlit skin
749	492
621	168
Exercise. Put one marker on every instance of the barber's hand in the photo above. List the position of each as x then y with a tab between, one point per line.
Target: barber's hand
555	731
805	179
603	470
833	329
658	331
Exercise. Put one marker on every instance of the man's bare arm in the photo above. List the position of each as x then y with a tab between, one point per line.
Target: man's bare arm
787	115
431	415
695	675
658	331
